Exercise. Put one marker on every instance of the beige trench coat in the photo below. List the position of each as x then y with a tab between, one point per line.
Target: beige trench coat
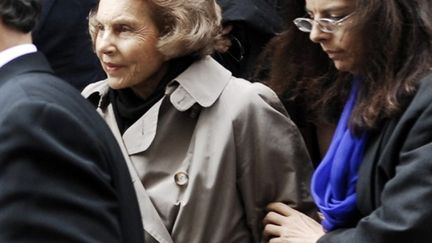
209	156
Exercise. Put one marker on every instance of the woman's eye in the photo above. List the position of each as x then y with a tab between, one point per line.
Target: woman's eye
337	17
123	28
99	27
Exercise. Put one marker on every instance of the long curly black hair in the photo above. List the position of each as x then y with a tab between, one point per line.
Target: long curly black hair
396	39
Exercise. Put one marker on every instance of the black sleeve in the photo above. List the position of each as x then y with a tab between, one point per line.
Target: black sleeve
54	183
405	213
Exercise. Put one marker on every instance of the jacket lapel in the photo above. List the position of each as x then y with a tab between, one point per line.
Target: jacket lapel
151	220
141	134
369	165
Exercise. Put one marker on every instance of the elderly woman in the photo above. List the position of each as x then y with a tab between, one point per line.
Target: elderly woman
207	152
374	183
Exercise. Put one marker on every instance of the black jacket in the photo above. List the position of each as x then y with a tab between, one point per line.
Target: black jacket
395	179
62	174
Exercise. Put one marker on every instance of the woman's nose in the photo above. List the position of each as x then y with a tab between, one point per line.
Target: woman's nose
105	43
317	35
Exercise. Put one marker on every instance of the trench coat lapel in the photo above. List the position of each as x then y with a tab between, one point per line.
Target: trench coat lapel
151	220
141	134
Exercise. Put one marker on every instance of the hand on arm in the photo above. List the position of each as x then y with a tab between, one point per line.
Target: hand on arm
273	160
286	225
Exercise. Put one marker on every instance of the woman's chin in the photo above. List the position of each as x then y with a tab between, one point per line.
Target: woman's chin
344	66
116	83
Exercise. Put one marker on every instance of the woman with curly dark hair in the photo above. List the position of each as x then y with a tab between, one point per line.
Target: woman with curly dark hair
308	86
375	180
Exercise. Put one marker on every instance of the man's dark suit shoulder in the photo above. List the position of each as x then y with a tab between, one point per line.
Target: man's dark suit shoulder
62	175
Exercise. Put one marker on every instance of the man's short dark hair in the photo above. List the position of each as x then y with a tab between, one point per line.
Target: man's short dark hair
21	15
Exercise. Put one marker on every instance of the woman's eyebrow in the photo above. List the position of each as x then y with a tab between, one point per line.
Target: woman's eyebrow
119	20
330	9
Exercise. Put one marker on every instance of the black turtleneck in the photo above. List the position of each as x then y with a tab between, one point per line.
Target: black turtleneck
129	107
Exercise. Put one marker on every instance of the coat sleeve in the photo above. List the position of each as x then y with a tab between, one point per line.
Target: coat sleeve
273	164
54	183
404	210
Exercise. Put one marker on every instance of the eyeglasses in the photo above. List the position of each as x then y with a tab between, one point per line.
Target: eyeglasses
325	24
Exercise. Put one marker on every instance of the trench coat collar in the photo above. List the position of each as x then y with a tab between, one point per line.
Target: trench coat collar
202	83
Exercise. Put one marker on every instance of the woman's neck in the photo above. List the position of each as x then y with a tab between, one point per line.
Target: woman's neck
146	88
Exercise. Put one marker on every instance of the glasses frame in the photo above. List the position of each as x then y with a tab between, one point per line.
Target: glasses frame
323	23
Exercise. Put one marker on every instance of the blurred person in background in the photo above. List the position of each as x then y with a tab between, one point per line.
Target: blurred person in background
247	27
62	36
305	79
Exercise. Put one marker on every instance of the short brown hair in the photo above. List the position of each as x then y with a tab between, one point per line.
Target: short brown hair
187	27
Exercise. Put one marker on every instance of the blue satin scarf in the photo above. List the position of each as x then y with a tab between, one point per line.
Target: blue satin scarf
334	181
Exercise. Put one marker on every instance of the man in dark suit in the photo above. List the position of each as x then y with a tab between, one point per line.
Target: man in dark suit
62	36
62	175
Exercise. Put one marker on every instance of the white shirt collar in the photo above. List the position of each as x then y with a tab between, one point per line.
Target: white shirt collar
14	52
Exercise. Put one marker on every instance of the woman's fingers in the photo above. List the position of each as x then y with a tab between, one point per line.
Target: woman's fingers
281	208
274	218
278	240
284	224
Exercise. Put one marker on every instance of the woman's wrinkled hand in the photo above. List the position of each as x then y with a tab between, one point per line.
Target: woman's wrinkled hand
282	224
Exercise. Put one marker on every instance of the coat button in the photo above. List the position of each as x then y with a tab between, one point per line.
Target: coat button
181	178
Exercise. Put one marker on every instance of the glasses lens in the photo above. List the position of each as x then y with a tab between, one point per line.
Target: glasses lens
327	25
303	24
